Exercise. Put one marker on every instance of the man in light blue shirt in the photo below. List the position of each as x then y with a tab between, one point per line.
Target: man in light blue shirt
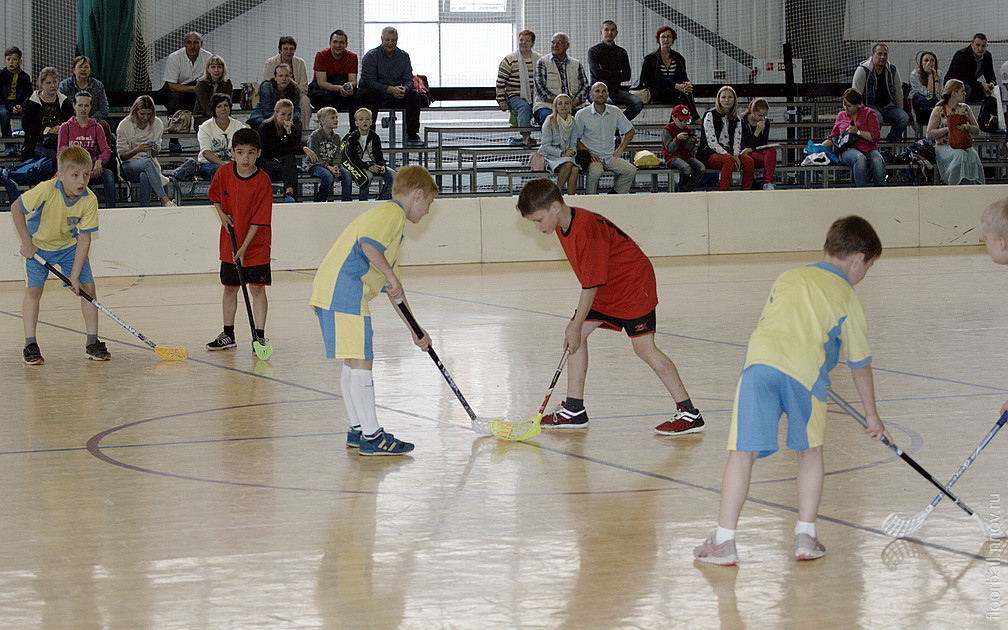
595	128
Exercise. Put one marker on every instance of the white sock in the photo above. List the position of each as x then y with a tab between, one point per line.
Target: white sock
723	535
805	528
362	395
347	397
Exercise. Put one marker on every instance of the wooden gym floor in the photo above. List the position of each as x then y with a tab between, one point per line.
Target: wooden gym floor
217	492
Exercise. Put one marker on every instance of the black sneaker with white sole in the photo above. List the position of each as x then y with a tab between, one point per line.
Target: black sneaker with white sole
223	341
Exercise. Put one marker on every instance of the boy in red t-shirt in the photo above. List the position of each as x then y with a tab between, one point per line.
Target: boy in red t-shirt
618	292
243	197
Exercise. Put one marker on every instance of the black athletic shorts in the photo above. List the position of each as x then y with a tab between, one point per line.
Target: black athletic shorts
259	274
633	327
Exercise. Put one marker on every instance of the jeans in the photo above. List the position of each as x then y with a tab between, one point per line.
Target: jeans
5	125
624	171
326	179
524	110
690	170
897	119
633	104
108	187
207	170
542	114
346	179
862	163
145	171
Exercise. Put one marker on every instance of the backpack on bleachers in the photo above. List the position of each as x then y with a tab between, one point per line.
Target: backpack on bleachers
31	172
988	116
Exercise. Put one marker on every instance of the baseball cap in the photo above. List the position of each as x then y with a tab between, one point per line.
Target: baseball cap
682	113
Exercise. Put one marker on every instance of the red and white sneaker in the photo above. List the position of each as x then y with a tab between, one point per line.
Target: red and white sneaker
562	418
808	548
682	423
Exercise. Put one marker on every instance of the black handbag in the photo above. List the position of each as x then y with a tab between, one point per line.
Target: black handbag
988	118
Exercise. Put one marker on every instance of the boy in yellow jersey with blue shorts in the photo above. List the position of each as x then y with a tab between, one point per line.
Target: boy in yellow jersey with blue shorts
812	313
56	219
361	262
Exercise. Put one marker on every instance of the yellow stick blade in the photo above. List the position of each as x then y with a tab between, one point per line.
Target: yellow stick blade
172	354
516	431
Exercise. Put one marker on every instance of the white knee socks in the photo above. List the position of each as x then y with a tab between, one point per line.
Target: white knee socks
362	399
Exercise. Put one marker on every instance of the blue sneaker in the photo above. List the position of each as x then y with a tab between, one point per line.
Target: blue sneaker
384	444
353	437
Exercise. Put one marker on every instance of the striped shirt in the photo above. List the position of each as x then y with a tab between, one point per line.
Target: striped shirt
509	77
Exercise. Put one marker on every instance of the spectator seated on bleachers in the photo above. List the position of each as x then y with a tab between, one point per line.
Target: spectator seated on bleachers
756	140
721	140
951	125
335	83
84	131
138	140
881	89
15	88
281	86
854	139
299	73
387	81
663	74
515	90
281	146
559	144
213	81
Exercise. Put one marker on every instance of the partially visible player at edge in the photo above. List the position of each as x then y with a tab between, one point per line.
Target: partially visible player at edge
618	292
360	263
994	221
56	219
243	196
811	315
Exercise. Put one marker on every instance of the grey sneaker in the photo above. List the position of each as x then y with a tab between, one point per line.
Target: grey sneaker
723	554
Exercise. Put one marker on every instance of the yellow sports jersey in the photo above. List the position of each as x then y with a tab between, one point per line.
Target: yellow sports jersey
53	221
345	281
812	313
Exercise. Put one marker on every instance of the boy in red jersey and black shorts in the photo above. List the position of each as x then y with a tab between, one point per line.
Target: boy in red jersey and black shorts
618	292
243	197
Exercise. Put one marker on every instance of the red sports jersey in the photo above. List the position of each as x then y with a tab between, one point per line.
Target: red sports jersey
249	201
603	256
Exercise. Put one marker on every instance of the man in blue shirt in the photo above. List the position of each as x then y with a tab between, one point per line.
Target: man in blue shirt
386	80
595	128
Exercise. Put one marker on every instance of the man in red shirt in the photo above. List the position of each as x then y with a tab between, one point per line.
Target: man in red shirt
618	292
243	197
335	82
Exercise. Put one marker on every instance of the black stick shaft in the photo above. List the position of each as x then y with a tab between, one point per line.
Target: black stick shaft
241	278
401	305
854	413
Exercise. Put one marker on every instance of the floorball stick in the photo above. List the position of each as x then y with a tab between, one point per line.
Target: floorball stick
172	354
262	350
861	420
899	527
479	424
530	428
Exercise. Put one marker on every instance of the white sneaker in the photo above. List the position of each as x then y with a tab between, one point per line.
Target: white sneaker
169	204
768	186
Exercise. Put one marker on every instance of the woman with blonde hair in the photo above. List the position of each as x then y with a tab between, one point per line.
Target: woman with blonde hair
559	144
721	140
213	81
950	128
138	140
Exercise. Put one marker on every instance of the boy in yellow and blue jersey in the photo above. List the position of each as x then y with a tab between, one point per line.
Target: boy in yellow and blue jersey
56	219
363	260
812	313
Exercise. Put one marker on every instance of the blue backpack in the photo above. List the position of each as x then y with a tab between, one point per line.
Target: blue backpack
31	172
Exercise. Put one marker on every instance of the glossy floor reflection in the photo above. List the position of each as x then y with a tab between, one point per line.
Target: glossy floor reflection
217	492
